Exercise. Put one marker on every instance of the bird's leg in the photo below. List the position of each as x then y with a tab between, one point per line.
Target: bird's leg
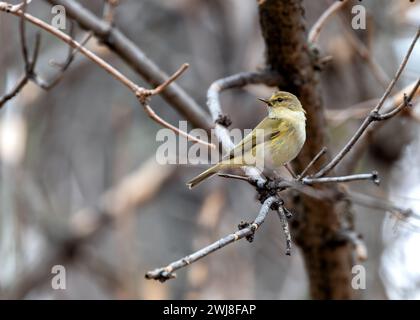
290	169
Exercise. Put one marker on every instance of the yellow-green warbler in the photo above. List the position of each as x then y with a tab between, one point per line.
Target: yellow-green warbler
283	136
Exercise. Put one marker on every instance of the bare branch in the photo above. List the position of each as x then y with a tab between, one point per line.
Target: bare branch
151	92
137	59
29	62
62	67
374	114
71	42
355	177
233	176
318	25
22	33
152	114
283	219
144	94
140	92
404	104
370	201
313	161
349	163
16	89
166	273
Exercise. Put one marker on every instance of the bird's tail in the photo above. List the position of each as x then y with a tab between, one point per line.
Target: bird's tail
202	176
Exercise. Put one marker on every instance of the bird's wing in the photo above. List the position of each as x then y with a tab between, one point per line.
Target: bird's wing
272	128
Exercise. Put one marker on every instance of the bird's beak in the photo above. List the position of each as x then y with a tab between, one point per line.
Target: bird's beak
264	100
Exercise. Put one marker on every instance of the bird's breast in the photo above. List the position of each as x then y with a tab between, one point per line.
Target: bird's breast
284	150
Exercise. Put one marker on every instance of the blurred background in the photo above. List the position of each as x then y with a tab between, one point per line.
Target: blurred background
62	150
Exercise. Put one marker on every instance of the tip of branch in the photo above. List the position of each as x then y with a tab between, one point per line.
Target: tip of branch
375	178
161	276
180	71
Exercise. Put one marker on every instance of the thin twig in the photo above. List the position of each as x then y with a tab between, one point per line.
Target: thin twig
166	273
140	92
30	73
285	225
318	25
238	80
22	33
152	114
406	103
62	67
71	42
30	62
373	115
313	161
364	52
349	163
143	97
233	176
290	170
370	201
171	79
128	51
15	90
279	185
354	177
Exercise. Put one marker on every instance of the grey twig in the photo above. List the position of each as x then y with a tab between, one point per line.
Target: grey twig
233	176
354	177
15	90
22	33
317	27
62	67
141	93
283	218
373	202
237	81
29	62
374	115
128	51
166	273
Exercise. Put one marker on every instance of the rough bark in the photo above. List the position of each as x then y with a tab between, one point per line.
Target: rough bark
319	225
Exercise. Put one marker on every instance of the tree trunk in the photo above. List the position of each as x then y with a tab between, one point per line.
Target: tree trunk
320	226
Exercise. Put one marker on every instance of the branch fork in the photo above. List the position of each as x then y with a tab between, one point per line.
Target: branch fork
246	230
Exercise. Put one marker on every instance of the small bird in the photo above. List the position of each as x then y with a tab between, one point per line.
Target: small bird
283	136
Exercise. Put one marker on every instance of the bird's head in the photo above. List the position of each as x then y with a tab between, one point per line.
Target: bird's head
281	100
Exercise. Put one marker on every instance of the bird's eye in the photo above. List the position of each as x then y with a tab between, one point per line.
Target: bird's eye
279	100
